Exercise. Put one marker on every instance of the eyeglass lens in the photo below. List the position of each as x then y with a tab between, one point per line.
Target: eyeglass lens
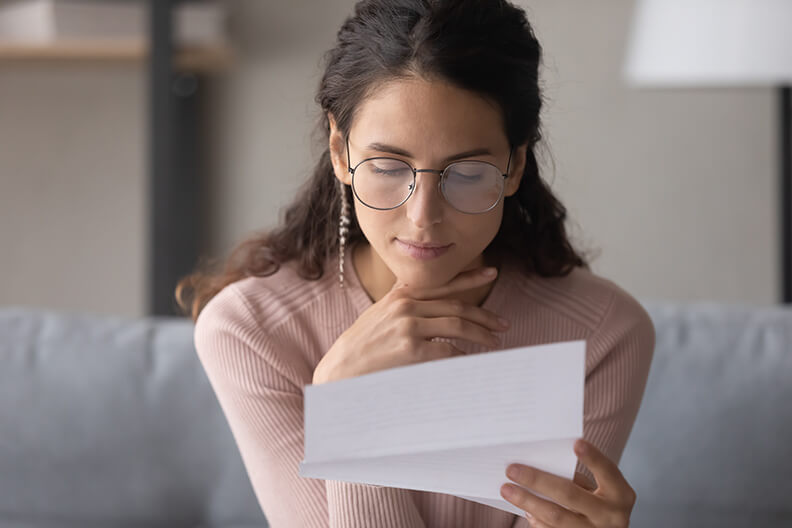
469	186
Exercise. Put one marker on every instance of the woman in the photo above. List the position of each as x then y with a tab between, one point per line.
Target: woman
430	117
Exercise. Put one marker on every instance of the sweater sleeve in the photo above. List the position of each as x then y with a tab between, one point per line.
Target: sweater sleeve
618	356
263	405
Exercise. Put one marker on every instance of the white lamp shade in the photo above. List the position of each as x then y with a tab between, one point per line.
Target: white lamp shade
710	43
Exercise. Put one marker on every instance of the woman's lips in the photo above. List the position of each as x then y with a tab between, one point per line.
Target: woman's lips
422	253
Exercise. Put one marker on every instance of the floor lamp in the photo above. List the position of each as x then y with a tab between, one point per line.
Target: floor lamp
711	43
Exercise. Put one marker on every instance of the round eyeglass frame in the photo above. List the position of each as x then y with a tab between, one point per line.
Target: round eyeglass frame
415	171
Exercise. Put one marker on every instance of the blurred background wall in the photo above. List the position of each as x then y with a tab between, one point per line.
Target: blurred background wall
676	190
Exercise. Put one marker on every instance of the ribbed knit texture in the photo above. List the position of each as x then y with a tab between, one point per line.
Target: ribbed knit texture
260	338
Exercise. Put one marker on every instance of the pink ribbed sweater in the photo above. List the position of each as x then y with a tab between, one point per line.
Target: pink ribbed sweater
260	338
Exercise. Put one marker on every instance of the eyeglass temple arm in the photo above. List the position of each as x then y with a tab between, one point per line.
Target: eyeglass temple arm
349	160
508	163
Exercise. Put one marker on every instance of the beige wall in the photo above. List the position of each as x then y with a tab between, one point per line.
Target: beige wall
677	189
72	188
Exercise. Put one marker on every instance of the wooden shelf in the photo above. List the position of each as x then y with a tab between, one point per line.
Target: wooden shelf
203	59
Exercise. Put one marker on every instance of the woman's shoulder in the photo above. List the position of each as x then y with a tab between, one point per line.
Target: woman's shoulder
277	318
591	307
592	300
272	299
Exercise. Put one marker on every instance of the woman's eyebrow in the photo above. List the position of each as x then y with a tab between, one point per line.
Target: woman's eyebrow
382	147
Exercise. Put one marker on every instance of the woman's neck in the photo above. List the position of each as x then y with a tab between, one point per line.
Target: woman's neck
377	279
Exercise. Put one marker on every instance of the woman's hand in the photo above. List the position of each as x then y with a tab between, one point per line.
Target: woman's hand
397	329
609	505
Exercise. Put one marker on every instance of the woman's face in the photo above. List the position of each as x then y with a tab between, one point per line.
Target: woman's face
426	124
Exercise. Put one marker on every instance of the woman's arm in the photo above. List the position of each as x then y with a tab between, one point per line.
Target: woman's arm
264	409
618	356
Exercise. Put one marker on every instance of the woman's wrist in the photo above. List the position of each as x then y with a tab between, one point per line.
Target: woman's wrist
325	371
319	376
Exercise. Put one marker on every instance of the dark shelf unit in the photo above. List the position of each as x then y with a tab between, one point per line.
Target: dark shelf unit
176	164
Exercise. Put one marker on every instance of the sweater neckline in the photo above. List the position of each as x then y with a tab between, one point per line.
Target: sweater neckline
361	300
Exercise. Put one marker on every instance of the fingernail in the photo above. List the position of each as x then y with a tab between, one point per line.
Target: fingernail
503	322
489	272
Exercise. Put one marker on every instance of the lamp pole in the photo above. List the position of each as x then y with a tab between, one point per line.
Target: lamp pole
786	192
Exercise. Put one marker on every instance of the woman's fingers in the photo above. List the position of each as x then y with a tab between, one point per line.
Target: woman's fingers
454	328
441	350
564	491
610	480
543	510
584	481
456	308
465	280
429	313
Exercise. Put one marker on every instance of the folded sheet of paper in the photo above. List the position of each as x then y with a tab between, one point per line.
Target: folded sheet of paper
451	425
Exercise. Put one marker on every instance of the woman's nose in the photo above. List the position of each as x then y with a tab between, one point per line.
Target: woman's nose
425	205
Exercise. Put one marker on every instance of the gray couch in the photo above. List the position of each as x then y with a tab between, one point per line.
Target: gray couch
111	422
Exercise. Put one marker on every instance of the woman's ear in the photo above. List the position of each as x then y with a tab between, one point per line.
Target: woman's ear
338	155
516	169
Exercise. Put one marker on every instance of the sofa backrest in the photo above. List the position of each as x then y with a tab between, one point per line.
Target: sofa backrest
109	419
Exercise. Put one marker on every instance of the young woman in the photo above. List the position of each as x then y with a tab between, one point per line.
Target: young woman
430	117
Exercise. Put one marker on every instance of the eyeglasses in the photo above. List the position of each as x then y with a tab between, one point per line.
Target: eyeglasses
470	187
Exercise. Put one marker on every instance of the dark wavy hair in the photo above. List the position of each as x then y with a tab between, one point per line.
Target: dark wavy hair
485	46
